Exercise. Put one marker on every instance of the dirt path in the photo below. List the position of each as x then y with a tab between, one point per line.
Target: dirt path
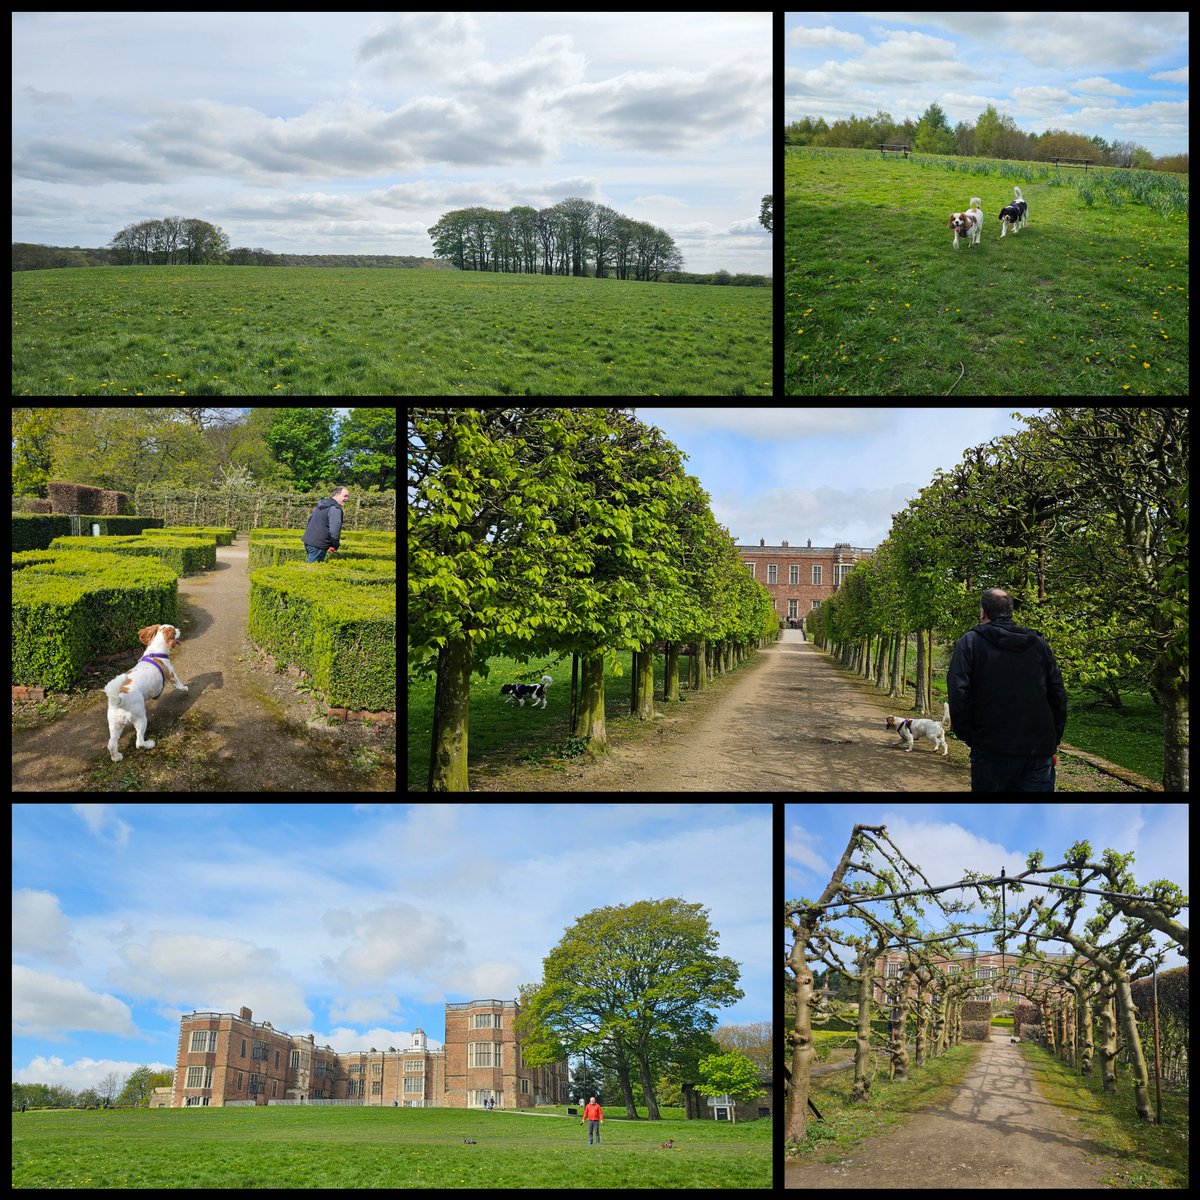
239	727
790	721
996	1131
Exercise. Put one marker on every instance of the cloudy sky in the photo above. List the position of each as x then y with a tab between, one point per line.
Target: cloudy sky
860	465
1120	76
354	132
354	922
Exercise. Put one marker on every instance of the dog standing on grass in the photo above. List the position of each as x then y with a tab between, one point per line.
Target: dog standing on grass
520	692
1013	216
969	223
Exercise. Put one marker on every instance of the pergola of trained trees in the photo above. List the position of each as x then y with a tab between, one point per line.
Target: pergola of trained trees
564	531
573	237
1083	519
1110	950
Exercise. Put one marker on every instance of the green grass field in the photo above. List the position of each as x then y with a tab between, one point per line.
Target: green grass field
376	1148
311	331
1089	299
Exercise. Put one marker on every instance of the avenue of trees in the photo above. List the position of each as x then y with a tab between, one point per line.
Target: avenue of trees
558	531
573	237
1083	519
1091	981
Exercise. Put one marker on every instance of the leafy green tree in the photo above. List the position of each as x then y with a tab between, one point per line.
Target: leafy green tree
624	985
731	1074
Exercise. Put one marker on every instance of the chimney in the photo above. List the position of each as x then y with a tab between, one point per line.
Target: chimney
245	1014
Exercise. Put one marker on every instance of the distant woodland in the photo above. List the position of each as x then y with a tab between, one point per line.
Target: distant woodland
574	237
30	256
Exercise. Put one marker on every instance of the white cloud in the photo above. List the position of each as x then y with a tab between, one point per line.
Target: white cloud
104	823
40	929
80	1074
46	1006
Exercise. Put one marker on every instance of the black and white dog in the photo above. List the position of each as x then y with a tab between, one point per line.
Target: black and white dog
520	692
1014	215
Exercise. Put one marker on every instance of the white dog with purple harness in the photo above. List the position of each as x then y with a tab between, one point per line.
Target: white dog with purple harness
915	727
128	692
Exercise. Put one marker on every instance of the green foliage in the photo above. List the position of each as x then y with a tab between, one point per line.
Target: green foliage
731	1074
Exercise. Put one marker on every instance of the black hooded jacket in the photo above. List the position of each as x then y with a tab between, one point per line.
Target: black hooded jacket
1006	692
324	527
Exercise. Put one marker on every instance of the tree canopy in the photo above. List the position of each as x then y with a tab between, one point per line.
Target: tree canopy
573	237
629	985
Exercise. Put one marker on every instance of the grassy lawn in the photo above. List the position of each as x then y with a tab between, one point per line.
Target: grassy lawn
377	1147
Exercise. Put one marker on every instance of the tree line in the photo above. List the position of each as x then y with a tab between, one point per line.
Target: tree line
573	237
31	256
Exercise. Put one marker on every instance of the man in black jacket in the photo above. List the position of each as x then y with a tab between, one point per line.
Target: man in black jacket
1007	701
323	533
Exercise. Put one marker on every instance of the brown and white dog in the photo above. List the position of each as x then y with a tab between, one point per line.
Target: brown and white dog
910	727
969	223
145	680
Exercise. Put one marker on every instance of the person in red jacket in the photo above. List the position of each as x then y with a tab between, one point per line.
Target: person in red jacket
593	1114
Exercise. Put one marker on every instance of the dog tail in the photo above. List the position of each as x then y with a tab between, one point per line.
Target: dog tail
547	680
946	714
1017	193
112	689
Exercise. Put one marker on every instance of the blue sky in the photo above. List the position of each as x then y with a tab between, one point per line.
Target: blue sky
344	132
945	840
355	922
830	474
1121	76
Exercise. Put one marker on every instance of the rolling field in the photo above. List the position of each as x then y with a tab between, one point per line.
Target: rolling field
310	331
1089	299
300	1147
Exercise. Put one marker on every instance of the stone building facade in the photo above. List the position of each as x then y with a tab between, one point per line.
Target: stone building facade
799	578
225	1058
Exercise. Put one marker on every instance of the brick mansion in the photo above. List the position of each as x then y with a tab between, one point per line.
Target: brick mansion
799	578
227	1059
995	977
